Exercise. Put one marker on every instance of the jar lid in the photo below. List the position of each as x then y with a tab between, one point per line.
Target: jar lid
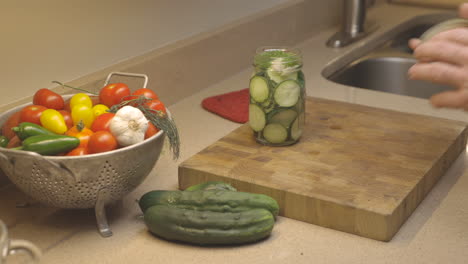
444	26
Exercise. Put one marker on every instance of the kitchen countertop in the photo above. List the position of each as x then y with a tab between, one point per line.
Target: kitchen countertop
437	232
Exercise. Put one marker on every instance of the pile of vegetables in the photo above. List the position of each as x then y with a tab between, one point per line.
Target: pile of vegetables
87	124
209	213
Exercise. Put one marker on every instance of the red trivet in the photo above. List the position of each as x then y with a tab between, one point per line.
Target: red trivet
233	105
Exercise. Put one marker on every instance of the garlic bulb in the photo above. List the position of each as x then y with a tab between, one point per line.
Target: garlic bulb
129	126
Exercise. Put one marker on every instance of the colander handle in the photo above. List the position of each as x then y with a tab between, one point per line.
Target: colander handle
59	167
139	75
8	166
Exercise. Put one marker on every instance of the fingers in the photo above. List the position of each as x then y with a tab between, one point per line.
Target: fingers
445	51
451	99
463	10
457	35
438	72
414	43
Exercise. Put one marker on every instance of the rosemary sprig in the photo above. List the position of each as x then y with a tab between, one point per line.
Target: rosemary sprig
159	119
75	88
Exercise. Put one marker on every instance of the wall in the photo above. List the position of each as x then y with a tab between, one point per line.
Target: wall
188	63
62	40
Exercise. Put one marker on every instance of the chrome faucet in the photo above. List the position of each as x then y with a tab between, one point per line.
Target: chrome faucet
353	25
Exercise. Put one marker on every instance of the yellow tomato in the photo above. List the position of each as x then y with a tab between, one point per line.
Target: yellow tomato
83	113
81	98
99	109
53	120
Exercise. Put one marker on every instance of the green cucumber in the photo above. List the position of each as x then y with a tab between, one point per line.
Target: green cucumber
287	93
275	133
283	116
207	227
257	119
212	200
211	185
259	90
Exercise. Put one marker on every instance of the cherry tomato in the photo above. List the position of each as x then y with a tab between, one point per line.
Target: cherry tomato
32	113
156	105
148	93
82	113
151	131
102	141
78	151
113	94
94	100
67	117
49	99
99	109
81	132
11	122
52	120
102	122
81	98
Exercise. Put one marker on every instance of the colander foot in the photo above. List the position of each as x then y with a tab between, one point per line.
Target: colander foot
101	217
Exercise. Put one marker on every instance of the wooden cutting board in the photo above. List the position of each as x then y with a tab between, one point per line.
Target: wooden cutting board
356	169
451	4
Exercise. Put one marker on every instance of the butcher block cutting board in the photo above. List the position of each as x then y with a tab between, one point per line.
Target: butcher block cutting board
452	4
357	169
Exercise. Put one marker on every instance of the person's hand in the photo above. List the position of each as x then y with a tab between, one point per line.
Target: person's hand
444	59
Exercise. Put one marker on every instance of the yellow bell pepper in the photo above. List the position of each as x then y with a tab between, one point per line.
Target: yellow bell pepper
53	120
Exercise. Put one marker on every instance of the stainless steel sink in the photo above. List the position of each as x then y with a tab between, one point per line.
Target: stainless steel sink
386	74
382	64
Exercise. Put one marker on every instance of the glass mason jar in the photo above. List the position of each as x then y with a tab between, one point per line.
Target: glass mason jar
277	96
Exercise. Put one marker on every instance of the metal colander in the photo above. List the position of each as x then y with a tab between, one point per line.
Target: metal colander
89	181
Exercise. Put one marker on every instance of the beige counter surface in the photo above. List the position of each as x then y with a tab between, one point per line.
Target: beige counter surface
437	232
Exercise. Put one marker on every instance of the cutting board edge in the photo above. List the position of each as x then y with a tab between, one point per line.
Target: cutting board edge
383	232
430	179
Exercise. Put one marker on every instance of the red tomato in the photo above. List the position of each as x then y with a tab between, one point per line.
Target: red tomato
14	142
11	122
102	122
67	117
82	133
151	131
113	94
78	151
156	105
148	93
102	141
32	113
49	99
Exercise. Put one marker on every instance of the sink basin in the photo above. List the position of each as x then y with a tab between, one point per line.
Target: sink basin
382	63
386	74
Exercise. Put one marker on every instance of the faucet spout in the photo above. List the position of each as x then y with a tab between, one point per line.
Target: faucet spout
354	18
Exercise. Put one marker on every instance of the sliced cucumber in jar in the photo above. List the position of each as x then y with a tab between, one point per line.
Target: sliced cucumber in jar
279	76
296	130
287	93
284	117
257	118
259	90
275	133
